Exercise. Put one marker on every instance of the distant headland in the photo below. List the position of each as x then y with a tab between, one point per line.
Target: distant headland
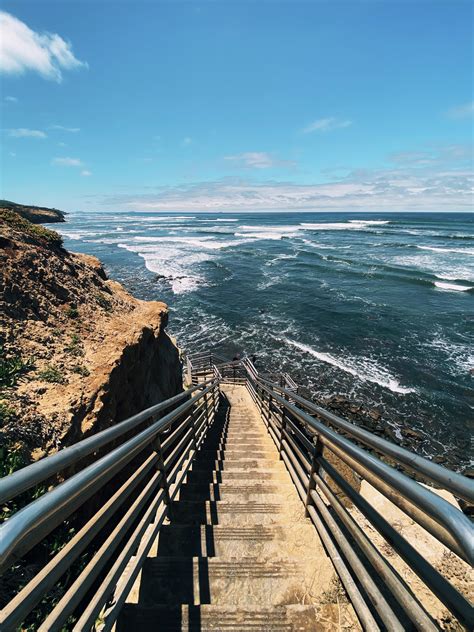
34	214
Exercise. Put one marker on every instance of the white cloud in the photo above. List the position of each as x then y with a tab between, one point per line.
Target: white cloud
23	132
68	162
462	111
11	99
85	172
258	160
66	129
445	185
326	125
22	49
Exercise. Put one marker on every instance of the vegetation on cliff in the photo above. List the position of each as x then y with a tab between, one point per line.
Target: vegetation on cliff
34	214
77	352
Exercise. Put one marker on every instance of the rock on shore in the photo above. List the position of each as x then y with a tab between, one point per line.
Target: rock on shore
78	353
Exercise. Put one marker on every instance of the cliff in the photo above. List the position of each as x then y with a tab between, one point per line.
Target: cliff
34	214
77	352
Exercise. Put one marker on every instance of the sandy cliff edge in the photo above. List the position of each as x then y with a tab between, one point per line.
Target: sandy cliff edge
87	353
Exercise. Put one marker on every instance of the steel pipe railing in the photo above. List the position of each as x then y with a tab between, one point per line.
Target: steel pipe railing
294	432
142	491
36	473
460	486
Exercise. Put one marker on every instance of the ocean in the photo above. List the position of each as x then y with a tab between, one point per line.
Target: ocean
377	307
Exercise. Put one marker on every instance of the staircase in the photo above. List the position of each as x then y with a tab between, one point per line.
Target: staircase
236	505
238	553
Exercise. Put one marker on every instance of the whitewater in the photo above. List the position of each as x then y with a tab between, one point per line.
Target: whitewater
377	307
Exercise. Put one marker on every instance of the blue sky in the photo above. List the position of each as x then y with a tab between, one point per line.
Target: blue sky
237	105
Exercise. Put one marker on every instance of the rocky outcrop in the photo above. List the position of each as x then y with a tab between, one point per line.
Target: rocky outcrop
34	214
78	353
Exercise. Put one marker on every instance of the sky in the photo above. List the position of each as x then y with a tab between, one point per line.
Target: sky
237	106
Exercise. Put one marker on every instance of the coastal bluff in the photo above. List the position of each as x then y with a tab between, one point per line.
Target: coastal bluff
34	214
78	353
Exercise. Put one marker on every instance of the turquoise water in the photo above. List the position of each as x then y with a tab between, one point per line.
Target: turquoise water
375	306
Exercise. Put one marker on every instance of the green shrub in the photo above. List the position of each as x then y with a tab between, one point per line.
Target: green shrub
15	221
72	312
103	302
7	414
81	370
74	346
52	374
12	368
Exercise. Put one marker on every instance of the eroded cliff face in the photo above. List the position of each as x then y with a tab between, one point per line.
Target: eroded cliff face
78	352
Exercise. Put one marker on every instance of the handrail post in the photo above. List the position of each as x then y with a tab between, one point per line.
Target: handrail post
317	452
161	467
282	429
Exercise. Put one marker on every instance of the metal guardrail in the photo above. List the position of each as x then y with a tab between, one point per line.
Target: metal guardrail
138	481
147	459
319	449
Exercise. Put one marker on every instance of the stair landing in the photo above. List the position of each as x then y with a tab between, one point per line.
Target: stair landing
238	552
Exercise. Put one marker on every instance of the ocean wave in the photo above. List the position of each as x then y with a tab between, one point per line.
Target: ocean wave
459	355
176	266
365	369
194	242
451	287
154	218
461	251
262	235
369	222
76	234
350	225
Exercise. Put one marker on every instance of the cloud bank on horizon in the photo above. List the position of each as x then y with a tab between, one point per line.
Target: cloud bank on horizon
163	129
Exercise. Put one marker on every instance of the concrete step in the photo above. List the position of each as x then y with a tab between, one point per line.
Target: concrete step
293	618
264	463
233	512
231	453
236	541
210	476
227	581
248	492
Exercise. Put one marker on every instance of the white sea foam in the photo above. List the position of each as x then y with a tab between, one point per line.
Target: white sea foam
365	369
194	242
351	225
176	265
262	235
369	222
459	355
461	251
75	234
451	287
225	220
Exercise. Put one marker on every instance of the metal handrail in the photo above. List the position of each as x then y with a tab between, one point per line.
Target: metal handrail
459	485
162	453
302	453
443	512
27	477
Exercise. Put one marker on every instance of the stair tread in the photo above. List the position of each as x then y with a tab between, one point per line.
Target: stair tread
230	511
231	581
211	618
235	540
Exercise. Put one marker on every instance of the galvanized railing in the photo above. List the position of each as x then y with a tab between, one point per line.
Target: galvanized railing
326	457
138	477
136	467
